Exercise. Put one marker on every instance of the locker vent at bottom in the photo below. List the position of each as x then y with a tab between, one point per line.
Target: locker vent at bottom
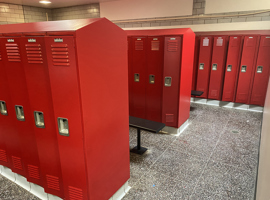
3	155
169	117
17	163
75	193
33	171
53	182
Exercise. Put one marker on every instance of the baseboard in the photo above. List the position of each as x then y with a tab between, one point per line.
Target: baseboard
176	131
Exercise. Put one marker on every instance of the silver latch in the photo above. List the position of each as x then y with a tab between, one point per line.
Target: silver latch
168	81
151	79
259	69
229	68
19	113
3	108
201	66
137	77
39	119
243	68
63	126
214	67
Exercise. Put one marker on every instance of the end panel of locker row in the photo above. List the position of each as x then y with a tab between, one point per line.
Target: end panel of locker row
187	56
138	45
204	65
154	79
105	114
130	77
27	158
247	68
232	68
6	124
195	62
171	76
262	71
63	75
38	84
217	67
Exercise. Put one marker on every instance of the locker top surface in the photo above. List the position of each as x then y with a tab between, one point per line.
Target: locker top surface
42	28
156	32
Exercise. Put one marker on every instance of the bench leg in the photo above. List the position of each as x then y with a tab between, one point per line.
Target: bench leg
138	149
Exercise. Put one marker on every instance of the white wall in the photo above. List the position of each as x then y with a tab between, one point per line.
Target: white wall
263	187
138	9
222	6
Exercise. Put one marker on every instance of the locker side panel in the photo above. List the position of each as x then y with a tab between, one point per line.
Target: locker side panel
171	76
204	67
232	68
139	76
38	84
247	68
217	67
262	71
130	77
67	109
154	78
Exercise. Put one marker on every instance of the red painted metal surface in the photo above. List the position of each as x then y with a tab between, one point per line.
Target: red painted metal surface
217	67
154	77
27	159
247	68
39	90
262	71
138	46
195	63
204	63
130	77
232	68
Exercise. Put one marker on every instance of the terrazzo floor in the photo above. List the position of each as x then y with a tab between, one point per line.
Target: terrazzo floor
214	158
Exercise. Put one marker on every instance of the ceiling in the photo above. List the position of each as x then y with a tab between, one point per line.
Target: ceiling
54	4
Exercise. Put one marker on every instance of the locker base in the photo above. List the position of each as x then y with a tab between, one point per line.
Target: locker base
140	151
175	131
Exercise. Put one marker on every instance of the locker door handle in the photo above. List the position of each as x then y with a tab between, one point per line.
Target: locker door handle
168	81
3	108
63	126
229	68
137	77
243	68
201	66
214	67
259	69
151	79
39	119
19	113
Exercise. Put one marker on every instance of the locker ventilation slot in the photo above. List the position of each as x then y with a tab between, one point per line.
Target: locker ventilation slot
75	193
0	56
17	163
34	54
60	54
169	117
13	53
172	46
33	171
154	45
139	45
3	155
53	182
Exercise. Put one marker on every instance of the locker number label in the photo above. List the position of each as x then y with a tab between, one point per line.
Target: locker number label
10	40
58	40
31	40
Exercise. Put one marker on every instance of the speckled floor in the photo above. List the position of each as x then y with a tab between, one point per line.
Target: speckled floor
214	158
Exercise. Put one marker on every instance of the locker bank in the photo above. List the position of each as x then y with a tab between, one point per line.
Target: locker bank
134	100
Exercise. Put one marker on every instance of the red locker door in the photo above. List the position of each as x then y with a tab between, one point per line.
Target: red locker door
171	74
261	76
68	114
195	62
204	63
154	78
232	68
247	68
217	67
38	84
139	76
6	118
130	77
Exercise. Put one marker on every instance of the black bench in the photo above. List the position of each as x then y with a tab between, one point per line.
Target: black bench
196	93
143	124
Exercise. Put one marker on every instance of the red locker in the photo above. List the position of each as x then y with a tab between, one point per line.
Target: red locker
217	67
232	68
261	76
27	159
38	84
130	77
138	63
204	67
195	63
154	79
247	68
171	74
